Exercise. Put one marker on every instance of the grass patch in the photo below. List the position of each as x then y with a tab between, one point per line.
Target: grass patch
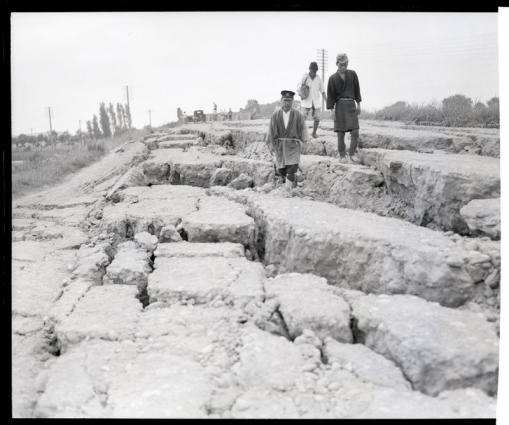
33	170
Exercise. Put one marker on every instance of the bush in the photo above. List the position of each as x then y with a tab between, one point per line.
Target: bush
456	111
96	146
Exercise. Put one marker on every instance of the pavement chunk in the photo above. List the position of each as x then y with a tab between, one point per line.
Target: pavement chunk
362	251
202	279
429	342
483	217
307	302
219	220
105	312
198	249
436	186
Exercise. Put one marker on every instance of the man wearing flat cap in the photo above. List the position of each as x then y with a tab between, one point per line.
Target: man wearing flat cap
344	98
286	138
312	103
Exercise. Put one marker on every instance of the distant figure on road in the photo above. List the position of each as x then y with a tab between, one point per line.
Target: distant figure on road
215	111
312	103
343	91
230	114
286	139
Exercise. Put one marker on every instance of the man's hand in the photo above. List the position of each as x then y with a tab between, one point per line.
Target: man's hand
332	113
358	109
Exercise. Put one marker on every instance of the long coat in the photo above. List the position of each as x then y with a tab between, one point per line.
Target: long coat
287	143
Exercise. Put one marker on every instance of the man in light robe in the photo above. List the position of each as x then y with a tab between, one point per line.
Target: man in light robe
286	138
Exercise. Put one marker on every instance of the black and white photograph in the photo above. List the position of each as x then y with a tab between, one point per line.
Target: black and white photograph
256	215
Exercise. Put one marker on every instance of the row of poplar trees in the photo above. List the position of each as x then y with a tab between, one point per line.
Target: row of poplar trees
110	122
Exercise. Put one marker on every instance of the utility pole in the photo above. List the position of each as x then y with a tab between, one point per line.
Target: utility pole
81	134
50	128
149	118
323	58
128	106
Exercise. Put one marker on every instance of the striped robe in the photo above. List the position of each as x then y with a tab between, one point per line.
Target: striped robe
287	143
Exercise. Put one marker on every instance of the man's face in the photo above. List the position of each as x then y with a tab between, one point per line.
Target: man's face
342	66
286	103
312	73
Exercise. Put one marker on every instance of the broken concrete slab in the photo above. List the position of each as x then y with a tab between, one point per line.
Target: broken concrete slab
159	192
260	171
436	186
221	177
427	341
307	302
364	363
347	185
111	379
470	403
91	262
483	217
37	282
150	215
198	249
174	137
268	361
146	241
243	181
105	312
71	216
362	251
210	223
72	293
175	166
203	279
180	143
130	266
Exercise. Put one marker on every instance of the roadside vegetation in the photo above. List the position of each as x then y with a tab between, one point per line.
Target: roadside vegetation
45	166
454	111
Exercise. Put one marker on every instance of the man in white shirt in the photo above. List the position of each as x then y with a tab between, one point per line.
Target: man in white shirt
312	103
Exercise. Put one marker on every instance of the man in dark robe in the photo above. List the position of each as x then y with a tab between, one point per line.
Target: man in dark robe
344	97
286	138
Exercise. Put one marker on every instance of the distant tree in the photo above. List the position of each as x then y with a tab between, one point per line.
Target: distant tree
89	129
127	116
104	120
63	137
396	111
95	128
253	107
494	110
120	115
457	110
113	118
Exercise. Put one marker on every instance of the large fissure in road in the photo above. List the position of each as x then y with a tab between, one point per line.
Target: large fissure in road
202	288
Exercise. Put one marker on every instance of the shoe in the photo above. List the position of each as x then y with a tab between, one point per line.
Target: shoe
354	158
314	135
343	159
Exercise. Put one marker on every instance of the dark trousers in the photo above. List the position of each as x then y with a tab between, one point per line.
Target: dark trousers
288	171
353	142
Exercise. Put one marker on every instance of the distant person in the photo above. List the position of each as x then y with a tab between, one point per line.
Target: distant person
286	139
312	103
344	99
215	111
230	114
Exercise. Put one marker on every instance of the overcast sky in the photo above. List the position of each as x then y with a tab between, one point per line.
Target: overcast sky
73	61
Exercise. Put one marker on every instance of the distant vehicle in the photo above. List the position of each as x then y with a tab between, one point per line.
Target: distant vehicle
199	116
